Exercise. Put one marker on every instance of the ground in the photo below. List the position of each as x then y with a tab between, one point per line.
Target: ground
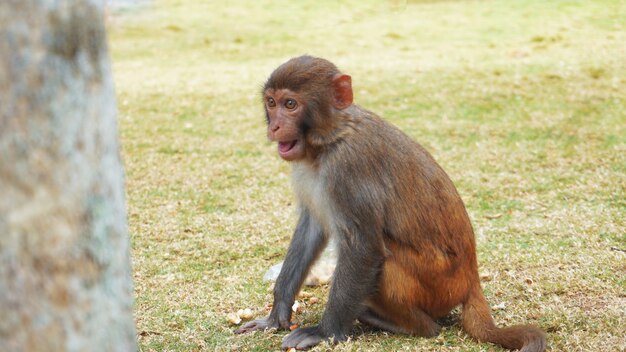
522	103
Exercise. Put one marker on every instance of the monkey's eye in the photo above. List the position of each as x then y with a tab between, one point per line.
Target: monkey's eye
291	104
271	102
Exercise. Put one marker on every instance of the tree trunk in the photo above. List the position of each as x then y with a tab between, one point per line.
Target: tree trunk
65	278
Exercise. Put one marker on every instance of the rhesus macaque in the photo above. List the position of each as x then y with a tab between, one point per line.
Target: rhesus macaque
406	249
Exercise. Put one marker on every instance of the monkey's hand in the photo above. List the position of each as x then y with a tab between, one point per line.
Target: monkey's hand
263	324
305	338
258	324
279	318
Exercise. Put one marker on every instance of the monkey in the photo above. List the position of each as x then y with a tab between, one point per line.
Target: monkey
406	247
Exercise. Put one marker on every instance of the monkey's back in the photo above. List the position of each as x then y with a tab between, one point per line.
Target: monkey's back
398	183
401	181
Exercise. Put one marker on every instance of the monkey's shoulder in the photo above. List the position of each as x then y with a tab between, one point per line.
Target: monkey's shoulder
381	156
375	142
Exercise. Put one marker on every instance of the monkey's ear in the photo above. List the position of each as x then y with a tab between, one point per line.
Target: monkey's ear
342	91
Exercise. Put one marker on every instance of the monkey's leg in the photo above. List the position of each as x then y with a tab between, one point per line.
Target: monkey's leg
401	299
422	324
369	317
397	319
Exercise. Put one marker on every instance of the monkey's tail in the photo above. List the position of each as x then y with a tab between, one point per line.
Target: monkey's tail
477	321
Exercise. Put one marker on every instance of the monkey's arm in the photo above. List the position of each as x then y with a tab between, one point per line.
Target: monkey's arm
306	245
355	279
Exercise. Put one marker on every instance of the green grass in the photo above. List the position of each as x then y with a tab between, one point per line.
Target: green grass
522	102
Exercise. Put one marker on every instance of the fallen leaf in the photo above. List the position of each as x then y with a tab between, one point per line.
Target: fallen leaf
245	314
233	318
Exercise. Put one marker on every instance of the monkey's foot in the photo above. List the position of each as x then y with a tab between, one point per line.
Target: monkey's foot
304	338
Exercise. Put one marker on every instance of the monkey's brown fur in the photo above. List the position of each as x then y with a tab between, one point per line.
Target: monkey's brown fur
407	251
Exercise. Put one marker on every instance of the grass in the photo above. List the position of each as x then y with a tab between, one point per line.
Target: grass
523	103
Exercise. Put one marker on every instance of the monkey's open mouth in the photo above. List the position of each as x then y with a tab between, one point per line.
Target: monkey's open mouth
285	147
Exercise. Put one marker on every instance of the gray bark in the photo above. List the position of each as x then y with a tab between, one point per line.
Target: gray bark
65	278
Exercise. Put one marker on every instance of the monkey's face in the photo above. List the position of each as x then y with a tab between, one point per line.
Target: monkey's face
284	110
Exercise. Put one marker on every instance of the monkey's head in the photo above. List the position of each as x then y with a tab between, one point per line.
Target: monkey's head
302	97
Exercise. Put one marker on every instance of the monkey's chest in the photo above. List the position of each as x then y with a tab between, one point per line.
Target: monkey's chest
312	192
